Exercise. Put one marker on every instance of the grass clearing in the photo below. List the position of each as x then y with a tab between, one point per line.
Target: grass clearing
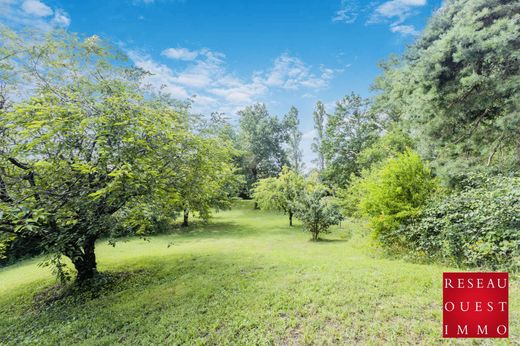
245	278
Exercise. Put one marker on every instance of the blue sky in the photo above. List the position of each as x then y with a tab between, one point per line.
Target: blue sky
232	53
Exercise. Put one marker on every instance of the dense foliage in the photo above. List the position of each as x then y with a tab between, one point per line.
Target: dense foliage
350	129
478	226
394	192
453	97
456	89
261	139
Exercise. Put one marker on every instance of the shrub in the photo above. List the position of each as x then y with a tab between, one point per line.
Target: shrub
317	211
478	226
392	193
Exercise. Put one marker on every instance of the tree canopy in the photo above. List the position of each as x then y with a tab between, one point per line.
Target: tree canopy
456	88
261	138
89	144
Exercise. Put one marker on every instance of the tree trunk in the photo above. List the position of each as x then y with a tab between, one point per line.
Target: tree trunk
315	236
255	206
290	218
85	264
186	216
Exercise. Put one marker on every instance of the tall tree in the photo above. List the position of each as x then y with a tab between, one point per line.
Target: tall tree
456	89
352	128
320	117
294	138
261	138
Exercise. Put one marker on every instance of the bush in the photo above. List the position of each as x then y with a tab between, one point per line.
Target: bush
317	211
392	193
478	226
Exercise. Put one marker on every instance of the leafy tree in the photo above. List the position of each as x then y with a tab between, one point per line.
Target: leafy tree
319	117
385	147
317	211
280	193
394	192
261	138
388	145
294	152
349	130
456	89
83	148
206	178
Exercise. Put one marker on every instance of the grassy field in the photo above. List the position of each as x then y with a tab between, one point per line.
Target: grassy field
245	278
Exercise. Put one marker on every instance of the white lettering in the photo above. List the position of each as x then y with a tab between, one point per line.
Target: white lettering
482	330
447	283
504	285
491	284
503	328
462	330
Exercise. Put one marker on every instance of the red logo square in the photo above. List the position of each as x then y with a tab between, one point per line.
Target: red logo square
475	305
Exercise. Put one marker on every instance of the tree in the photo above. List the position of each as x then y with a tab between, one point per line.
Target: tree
456	88
388	145
294	152
394	192
83	148
206	178
319	117
261	138
349	130
317	211
280	193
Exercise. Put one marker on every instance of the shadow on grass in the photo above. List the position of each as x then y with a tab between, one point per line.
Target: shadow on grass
71	293
213	229
213	271
326	241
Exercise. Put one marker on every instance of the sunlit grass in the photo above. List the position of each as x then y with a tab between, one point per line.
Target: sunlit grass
245	278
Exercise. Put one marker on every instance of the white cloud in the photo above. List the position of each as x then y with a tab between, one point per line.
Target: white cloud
395	11
180	53
348	12
61	18
400	9
36	8
161	76
215	88
404	29
32	14
292	73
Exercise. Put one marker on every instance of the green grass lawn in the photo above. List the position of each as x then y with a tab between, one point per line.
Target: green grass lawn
245	278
